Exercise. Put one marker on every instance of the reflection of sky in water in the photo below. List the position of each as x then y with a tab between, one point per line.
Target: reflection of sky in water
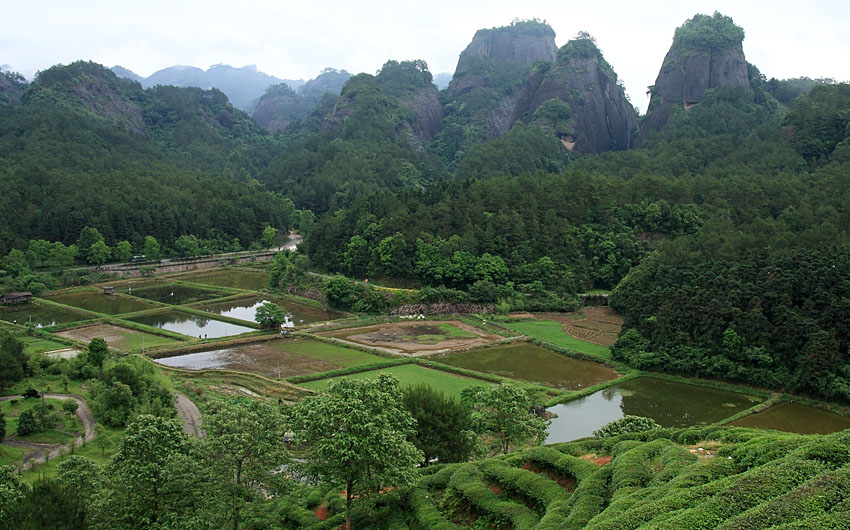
203	360
247	310
669	403
581	417
192	325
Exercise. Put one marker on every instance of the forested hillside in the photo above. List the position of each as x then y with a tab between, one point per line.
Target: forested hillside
85	148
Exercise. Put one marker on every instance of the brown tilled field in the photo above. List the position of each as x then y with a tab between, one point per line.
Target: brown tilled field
416	338
599	325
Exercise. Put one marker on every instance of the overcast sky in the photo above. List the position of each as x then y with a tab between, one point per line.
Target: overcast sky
784	38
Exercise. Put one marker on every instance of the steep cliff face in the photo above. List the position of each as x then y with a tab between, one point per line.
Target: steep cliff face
426	106
597	116
706	53
522	43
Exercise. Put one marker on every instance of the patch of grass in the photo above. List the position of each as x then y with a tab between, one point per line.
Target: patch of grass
34	345
133	340
11	456
322	351
12	411
455	332
552	331
411	374
90	450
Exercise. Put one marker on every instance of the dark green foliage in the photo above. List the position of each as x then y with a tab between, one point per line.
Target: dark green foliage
626	424
443	426
769	318
48	504
27	424
183	157
704	31
541	490
13	361
466	485
820	123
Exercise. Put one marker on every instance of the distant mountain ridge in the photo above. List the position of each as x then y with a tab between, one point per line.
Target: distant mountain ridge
242	86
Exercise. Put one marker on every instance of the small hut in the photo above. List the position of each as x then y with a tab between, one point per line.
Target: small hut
108	289
16	298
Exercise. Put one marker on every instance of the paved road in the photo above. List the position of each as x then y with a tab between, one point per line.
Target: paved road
43	452
189	414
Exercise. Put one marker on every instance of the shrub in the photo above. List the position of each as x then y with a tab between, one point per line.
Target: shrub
27	424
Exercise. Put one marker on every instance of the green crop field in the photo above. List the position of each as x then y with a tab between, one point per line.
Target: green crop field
412	374
322	351
552	331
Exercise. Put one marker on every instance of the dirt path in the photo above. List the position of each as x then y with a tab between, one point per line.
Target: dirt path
43	452
189	414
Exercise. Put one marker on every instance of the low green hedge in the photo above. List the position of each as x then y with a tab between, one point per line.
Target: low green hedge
565	465
425	514
540	489
466	484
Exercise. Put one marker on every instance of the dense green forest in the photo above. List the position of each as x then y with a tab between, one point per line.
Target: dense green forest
84	148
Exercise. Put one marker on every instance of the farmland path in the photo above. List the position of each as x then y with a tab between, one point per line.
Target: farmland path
43	452
189	414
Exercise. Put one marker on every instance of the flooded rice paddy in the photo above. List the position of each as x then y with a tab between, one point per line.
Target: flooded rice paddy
102	303
277	358
670	404
191	325
246	308
792	417
39	315
176	294
249	280
530	362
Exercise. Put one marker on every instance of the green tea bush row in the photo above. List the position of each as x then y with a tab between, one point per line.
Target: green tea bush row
466	484
588	500
425	514
540	489
564	465
810	500
745	491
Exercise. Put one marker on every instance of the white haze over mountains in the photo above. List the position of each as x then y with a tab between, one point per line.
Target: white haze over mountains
290	40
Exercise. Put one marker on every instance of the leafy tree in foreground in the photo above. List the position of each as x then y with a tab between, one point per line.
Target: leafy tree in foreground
152	248
141	475
81	475
503	412
626	424
98	350
244	449
357	436
270	315
12	490
13	361
443	426
49	504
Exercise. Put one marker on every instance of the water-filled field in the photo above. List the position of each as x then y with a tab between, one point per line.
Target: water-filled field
670	404
39	315
191	325
102	303
250	280
281	357
792	417
176	294
246	308
529	362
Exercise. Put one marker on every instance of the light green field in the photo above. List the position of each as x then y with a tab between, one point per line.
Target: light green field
322	351
61	435
552	331
10	456
412	374
100	456
38	345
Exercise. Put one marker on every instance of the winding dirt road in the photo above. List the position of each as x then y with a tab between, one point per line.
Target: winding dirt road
189	414
41	453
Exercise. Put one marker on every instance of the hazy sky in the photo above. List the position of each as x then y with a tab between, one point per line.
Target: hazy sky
783	38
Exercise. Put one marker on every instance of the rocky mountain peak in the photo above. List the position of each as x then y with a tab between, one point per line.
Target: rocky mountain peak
706	53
